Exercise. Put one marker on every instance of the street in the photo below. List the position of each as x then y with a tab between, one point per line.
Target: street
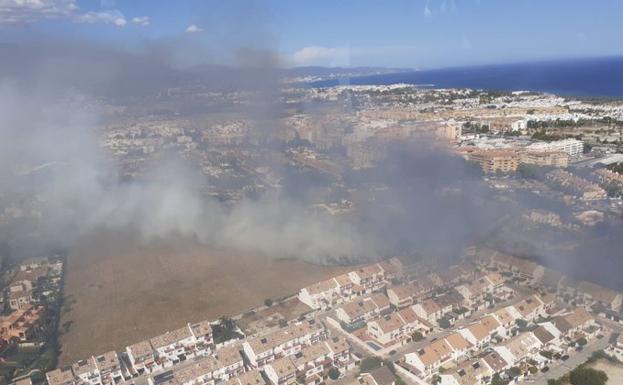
560	369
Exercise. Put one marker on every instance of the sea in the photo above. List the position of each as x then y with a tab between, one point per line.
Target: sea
595	77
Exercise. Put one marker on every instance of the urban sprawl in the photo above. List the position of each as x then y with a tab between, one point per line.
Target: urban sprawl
489	318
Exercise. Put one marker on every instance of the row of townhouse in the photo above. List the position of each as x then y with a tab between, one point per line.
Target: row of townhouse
104	369
483	286
471	372
407	294
470	296
502	322
482	331
297	353
398	327
311	365
520	267
512	352
453	275
362	310
427	361
520	348
535	273
366	279
531	308
433	309
263	349
225	364
601	295
170	348
475	337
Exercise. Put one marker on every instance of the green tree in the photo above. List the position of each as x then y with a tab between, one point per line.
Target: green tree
369	363
587	376
582	341
334	373
498	380
514	371
225	330
417	336
533	370
444	323
521	323
268	302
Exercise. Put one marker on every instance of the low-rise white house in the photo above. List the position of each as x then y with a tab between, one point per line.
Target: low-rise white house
363	309
321	295
519	348
428	360
370	278
172	347
87	371
283	342
472	372
109	368
142	357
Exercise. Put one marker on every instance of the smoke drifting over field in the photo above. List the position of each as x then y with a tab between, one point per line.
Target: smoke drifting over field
50	149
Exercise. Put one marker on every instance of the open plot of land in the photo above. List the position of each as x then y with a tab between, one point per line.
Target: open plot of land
613	370
288	310
118	294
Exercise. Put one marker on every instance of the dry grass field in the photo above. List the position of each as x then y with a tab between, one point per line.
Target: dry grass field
118	294
614	371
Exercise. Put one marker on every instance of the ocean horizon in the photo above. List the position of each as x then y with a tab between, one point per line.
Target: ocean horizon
595	77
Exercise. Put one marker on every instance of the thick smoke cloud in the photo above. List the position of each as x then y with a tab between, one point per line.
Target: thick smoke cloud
55	155
430	201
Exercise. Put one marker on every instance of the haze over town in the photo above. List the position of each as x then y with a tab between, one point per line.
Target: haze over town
271	193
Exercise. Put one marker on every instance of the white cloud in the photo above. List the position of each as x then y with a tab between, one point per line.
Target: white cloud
30	11
448	6
142	20
26	11
107	17
427	11
466	44
193	28
320	55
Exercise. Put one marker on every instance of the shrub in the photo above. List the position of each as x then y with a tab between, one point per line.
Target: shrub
521	323
514	371
334	373
417	336
533	370
547	354
444	323
268	302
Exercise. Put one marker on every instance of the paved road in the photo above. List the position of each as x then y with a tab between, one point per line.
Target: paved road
559	369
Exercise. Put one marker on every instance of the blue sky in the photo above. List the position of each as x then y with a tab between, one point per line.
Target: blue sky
398	33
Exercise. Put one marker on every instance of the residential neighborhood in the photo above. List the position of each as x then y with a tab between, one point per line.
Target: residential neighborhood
489	316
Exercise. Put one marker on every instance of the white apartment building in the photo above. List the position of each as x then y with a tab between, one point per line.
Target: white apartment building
573	147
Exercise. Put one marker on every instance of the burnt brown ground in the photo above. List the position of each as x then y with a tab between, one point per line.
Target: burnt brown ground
119	293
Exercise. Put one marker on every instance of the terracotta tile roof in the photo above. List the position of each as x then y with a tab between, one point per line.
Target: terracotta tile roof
458	342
